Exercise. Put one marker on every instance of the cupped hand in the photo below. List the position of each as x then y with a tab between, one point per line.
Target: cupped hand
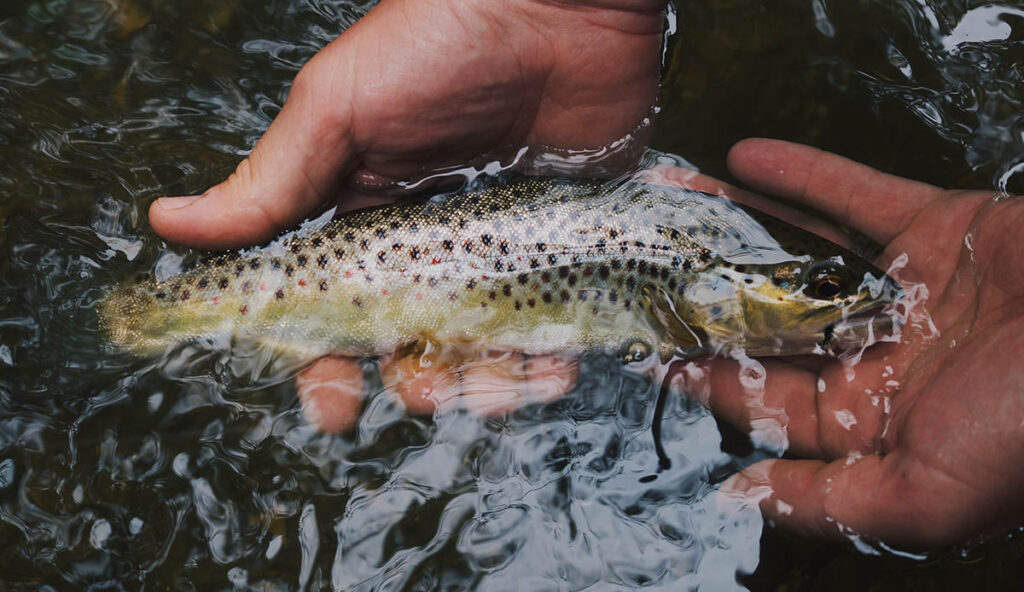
418	86
922	441
415	87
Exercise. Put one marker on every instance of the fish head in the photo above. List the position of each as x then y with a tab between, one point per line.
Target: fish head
803	305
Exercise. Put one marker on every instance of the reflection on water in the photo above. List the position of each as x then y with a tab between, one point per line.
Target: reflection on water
121	473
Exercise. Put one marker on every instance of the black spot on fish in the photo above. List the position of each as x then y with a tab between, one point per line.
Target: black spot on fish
349	237
244	309
630	282
492	295
663	274
687	265
542	247
202	283
545	277
432	282
239	268
486	239
317	242
397	247
357	301
382	257
470	284
302	260
254	264
381	233
519	305
613	296
506	290
503	247
368	278
289	270
452	296
323	285
395	225
161	295
275	263
552	259
672	284
603	272
185	295
631	264
534	264
531	302
468	246
572	279
414	253
642	267
295	248
321	261
223	284
331	234
417	278
522	278
361	264
564	295
499	266
448	245
279	294
582	295
601	244
364	244
546	297
563	272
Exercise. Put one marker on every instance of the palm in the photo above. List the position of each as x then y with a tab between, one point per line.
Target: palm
933	423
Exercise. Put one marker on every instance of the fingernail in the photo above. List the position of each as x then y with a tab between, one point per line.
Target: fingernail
176	203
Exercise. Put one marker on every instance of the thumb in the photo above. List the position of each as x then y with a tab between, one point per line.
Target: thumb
294	169
890	498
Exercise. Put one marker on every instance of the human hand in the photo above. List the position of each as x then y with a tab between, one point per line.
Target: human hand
415	87
921	442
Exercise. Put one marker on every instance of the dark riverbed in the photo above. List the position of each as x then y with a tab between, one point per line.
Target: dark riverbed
194	472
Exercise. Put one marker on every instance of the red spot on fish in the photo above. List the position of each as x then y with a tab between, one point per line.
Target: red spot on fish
419	296
435	261
348	274
302	282
383	292
216	300
263	286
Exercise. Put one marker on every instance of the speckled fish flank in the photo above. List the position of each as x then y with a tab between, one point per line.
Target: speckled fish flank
538	266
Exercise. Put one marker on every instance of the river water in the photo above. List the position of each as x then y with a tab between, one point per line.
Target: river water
190	473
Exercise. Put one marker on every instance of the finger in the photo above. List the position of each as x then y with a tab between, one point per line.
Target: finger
331	393
424	378
550	377
494	383
890	498
292	171
772	400
869	201
674	176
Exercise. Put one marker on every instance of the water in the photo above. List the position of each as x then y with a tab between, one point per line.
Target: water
123	474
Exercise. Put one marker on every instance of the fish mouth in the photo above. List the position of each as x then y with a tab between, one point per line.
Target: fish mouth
861	329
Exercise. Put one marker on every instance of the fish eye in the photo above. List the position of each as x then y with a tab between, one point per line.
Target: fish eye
827	282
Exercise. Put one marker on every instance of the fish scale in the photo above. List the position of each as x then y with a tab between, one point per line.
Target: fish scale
538	266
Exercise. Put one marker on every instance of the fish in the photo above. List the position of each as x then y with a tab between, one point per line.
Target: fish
536	265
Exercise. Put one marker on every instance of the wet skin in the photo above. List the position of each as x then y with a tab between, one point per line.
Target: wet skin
940	466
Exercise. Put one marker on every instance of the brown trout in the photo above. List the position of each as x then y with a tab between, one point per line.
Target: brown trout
537	266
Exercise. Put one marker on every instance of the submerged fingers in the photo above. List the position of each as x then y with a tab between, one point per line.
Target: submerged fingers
430	379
